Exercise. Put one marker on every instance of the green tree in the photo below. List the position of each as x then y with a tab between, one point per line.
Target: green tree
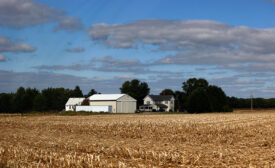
29	98
217	99
6	103
56	98
39	103
91	92
167	92
198	101
20	100
136	89
180	98
77	92
192	84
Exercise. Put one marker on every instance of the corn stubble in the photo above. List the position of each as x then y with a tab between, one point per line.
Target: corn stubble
205	140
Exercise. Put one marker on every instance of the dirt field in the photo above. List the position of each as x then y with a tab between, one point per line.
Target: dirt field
205	140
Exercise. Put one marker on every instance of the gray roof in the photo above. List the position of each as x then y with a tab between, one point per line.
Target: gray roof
161	97
146	105
75	101
162	105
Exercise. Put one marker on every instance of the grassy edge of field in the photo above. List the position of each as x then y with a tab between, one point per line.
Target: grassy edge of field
80	113
83	113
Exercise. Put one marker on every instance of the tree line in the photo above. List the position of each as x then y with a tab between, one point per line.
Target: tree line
196	96
246	102
31	99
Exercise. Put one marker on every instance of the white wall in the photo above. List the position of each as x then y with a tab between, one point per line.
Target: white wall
148	99
126	106
107	109
105	103
69	108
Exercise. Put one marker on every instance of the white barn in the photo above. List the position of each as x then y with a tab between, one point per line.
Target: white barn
72	103
120	103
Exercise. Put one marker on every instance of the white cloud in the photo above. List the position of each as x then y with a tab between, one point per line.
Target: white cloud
75	50
196	42
2	58
126	77
6	45
24	13
103	64
239	85
69	23
11	80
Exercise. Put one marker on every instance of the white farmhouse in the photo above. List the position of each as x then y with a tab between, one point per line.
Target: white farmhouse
72	103
158	103
120	103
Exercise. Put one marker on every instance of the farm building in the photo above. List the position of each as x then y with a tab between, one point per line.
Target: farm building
72	103
120	103
158	103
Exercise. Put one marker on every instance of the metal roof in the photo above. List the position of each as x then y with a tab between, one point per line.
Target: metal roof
105	96
161	97
75	101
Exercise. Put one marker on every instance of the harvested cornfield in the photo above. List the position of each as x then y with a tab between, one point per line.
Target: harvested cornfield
170	140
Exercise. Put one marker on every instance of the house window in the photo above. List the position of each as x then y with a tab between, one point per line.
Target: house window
148	102
166	102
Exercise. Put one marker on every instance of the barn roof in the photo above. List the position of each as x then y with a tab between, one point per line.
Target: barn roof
75	101
161	97
105	97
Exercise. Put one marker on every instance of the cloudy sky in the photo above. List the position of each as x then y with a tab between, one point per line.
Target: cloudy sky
102	43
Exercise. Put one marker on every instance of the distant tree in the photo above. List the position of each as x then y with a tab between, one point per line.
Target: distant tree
239	102
77	92
136	89
198	101
217	99
86	102
6	103
39	103
180	99
92	92
192	84
233	102
167	92
56	98
20	100
260	103
29	96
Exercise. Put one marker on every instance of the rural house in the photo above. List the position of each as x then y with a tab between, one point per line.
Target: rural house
119	103
158	103
72	103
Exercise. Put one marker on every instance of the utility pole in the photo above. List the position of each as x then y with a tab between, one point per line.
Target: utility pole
251	98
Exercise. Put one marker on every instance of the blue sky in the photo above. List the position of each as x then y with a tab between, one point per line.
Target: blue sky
100	44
